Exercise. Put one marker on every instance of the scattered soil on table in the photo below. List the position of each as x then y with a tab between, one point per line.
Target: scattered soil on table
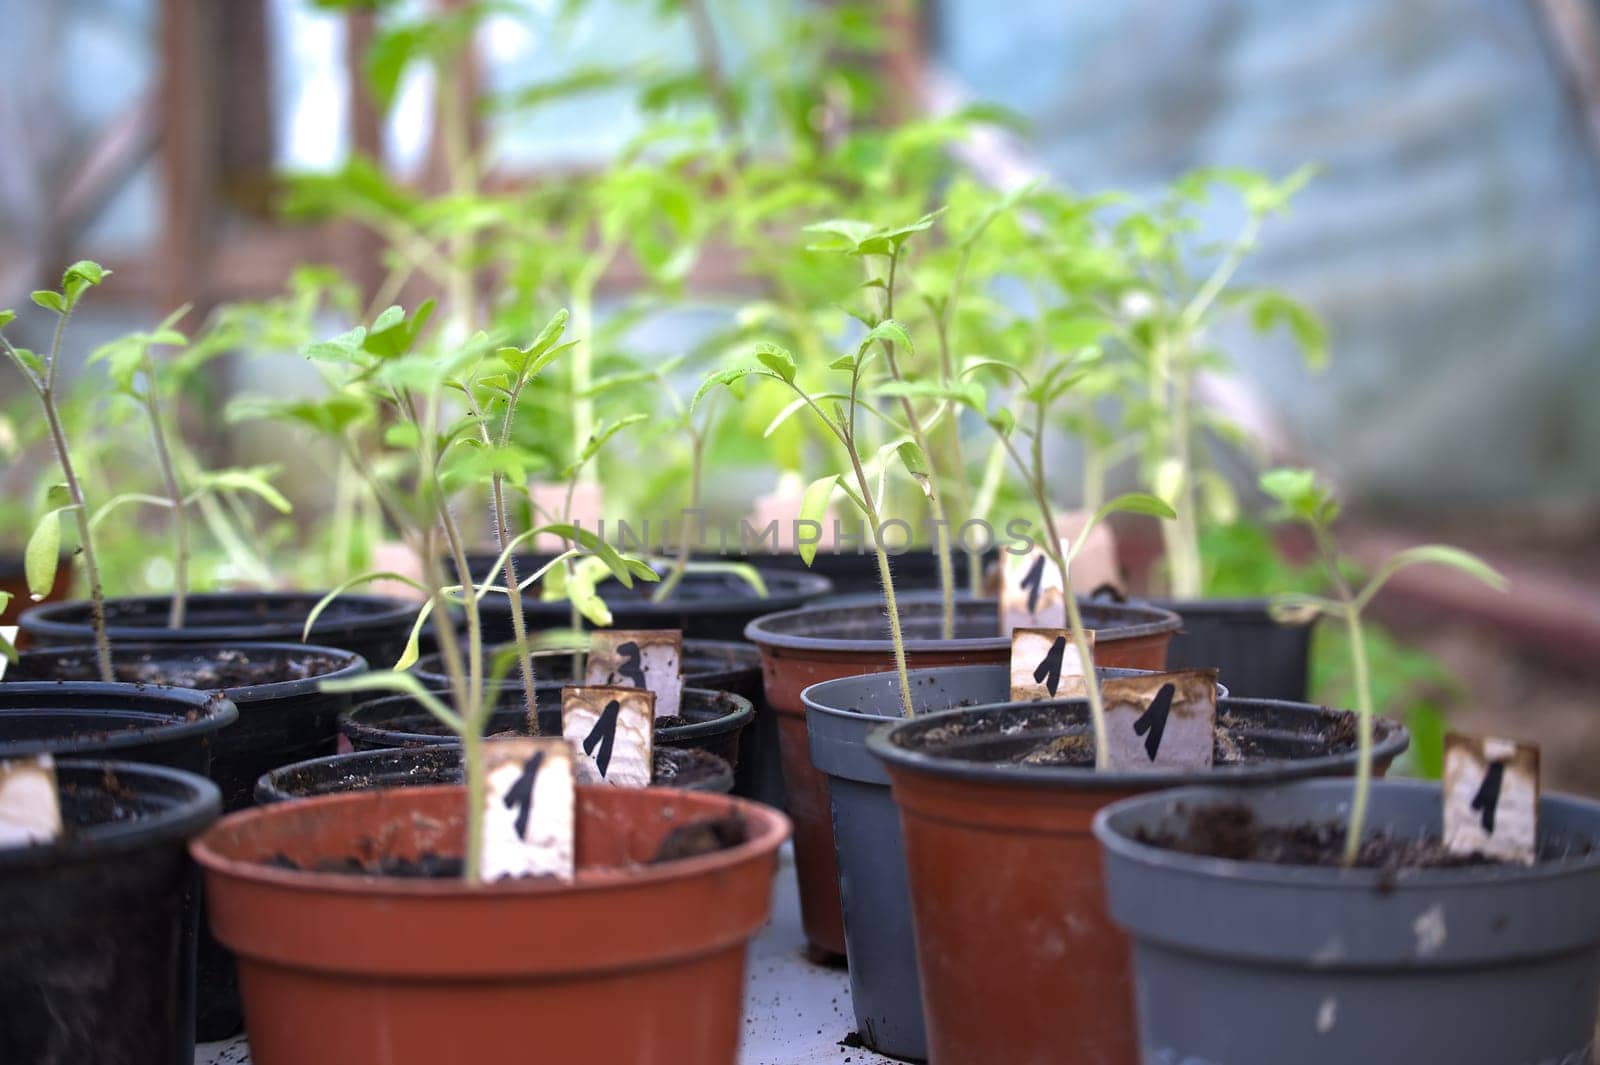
702	837
1232	831
221	669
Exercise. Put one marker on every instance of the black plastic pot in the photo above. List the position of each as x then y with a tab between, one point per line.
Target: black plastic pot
716	665
371	626
97	930
1258	657
1257	964
1015	946
404	767
128	722
279	722
706	606
715	721
884	987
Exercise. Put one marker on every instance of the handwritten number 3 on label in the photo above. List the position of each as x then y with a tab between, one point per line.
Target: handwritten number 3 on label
520	794
1488	797
604	733
1154	720
1031	581
632	664
1049	671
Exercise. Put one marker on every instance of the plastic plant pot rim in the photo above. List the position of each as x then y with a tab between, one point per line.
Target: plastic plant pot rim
879	742
736	655
195	803
1320	877
772	828
352	664
46	621
1230	607
766	630
215	713
740	715
781	584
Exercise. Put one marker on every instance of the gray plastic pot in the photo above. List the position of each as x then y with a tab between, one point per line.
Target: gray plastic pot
1244	963
884	987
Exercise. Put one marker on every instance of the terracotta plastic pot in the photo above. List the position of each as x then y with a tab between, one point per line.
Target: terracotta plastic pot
1019	958
633	964
713	719
1258	657
97	930
1257	964
413	767
371	626
802	647
885	990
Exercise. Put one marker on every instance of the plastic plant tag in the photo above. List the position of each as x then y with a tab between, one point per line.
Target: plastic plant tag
1161	721
1045	665
8	633
30	809
1491	797
612	731
643	658
528	826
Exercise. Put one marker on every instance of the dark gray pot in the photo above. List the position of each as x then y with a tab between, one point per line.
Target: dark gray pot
884	986
1252	964
1259	658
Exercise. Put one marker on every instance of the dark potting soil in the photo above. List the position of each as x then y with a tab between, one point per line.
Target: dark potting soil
684	841
672	721
211	671
1235	743
663	771
1232	831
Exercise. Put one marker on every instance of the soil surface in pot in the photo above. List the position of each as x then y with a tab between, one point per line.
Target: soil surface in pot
995	740
1232	831
684	841
667	771
208	671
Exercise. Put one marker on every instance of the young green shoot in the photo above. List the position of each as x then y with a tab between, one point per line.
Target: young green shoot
841	422
42	373
1302	498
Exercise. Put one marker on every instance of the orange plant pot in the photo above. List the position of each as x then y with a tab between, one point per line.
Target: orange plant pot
633	963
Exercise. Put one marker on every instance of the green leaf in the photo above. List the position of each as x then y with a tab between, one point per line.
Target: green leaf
42	555
1131	503
728	377
813	506
916	464
582	593
354	582
1435	555
7	317
388	319
889	331
50	301
1300	496
843	362
341	348
413	648
778	360
252	480
1271	309
400	684
783	415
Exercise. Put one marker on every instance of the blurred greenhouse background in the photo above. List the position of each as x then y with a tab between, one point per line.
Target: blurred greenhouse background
1450	242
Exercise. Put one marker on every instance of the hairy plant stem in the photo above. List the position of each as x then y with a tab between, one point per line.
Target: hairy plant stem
941	526
907	708
1351	615
696	462
44	388
180	520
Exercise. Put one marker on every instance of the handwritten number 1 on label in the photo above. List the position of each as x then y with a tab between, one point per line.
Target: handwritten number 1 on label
1031	581
1154	720
1488	797
1049	671
520	794
604	733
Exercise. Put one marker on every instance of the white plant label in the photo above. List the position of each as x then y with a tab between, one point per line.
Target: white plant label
612	731
1045	665
1030	592
528	824
643	658
1491	797
30	809
1161	721
8	633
